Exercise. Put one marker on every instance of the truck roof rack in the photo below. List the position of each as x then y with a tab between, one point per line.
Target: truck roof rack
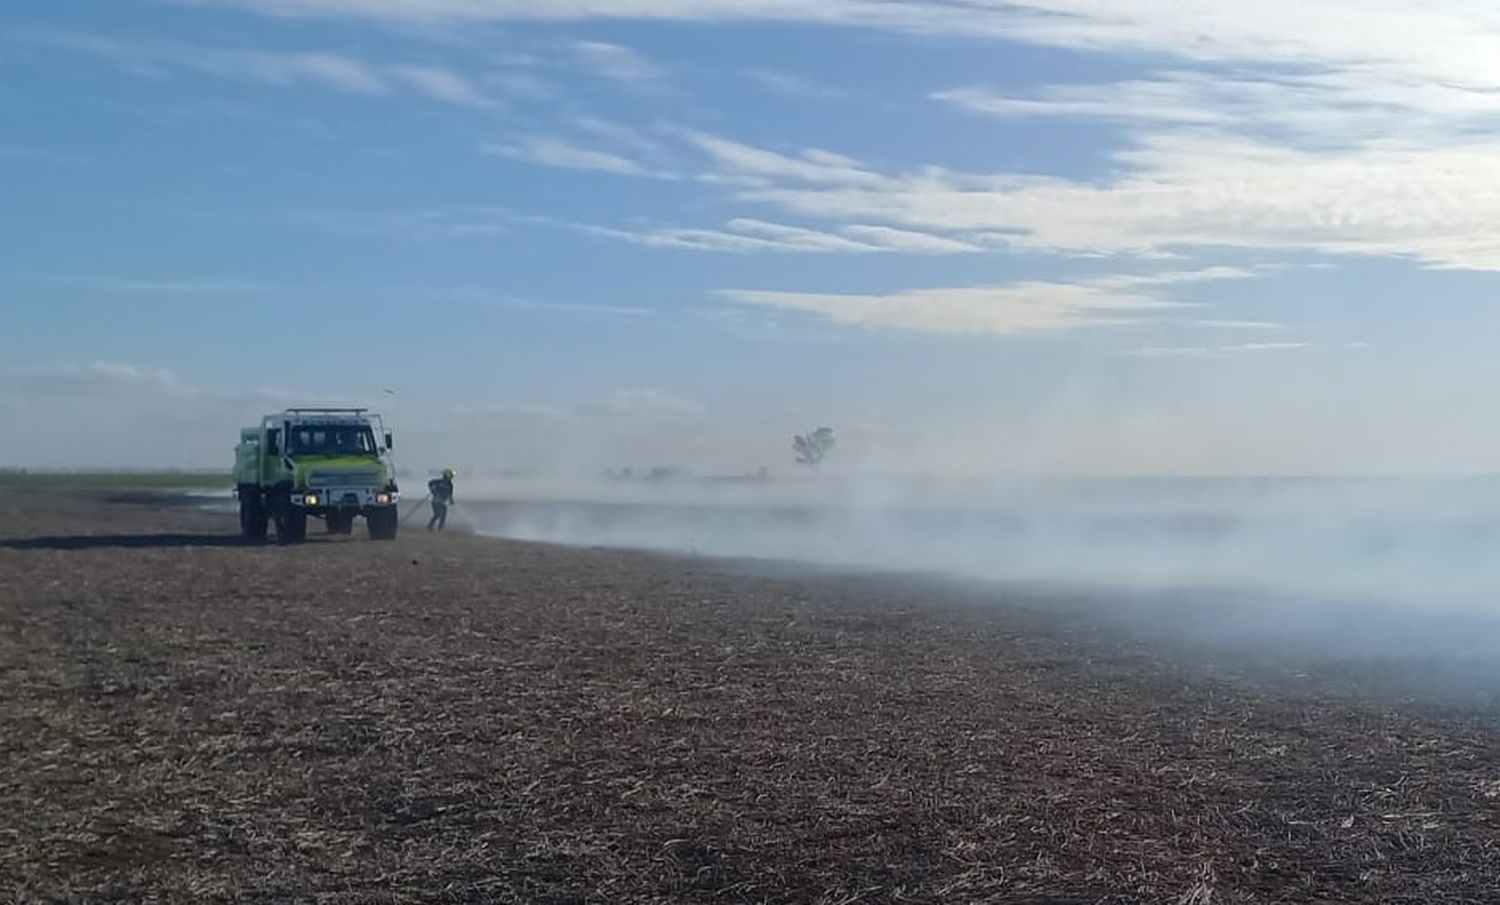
340	410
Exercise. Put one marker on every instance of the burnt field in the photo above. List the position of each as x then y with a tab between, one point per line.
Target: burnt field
184	718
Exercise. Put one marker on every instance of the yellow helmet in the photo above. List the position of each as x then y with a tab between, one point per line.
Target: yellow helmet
448	473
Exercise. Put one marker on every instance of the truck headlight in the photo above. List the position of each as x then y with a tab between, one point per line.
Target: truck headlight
310	500
383	499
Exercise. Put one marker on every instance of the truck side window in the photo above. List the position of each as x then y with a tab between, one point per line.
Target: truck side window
273	442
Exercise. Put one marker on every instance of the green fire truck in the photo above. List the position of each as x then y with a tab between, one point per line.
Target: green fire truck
328	463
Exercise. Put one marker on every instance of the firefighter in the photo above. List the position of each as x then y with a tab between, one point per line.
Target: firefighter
441	490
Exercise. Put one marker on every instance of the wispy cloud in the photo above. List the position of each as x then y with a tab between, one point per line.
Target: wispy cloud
1166	101
1173	277
1347	128
441	84
1321	108
501	301
46	385
1324	44
745	234
692	239
95	374
621	64
1024	307
795	236
738	161
431	224
911	241
1446	38
1215	351
521	85
575	308
555	152
1363	147
1239	325
621	134
276	68
1364	129
1185	189
794	86
160	286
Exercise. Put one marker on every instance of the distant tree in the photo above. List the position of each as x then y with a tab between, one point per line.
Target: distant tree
811	448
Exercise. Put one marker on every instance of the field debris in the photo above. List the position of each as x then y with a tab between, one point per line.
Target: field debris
476	721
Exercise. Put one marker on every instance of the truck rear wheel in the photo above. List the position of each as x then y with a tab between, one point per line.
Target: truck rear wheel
340	522
253	515
291	525
382	523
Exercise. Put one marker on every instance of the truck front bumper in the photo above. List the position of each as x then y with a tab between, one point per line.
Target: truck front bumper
344	499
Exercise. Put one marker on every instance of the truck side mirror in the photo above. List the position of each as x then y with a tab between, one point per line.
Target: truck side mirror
273	442
389	443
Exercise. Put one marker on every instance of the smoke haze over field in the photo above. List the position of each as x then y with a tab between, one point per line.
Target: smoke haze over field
1428	543
1396	571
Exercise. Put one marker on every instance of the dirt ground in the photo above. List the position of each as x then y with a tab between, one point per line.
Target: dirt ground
184	718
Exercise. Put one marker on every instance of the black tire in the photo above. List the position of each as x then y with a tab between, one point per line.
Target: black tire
291	525
253	516
382	523
340	522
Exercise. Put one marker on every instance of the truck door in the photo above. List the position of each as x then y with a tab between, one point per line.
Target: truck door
270	463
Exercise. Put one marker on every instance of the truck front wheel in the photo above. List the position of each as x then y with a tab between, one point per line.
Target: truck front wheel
382	523
253	515
291	525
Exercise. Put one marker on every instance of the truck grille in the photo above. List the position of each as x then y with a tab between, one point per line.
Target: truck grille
343	478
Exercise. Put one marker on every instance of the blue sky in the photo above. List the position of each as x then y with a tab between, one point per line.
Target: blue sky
1053	235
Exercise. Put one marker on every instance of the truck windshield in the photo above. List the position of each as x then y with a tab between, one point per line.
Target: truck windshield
331	440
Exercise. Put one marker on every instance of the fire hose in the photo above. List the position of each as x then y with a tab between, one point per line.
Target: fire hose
415	509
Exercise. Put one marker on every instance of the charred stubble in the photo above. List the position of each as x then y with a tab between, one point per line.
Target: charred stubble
461	720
